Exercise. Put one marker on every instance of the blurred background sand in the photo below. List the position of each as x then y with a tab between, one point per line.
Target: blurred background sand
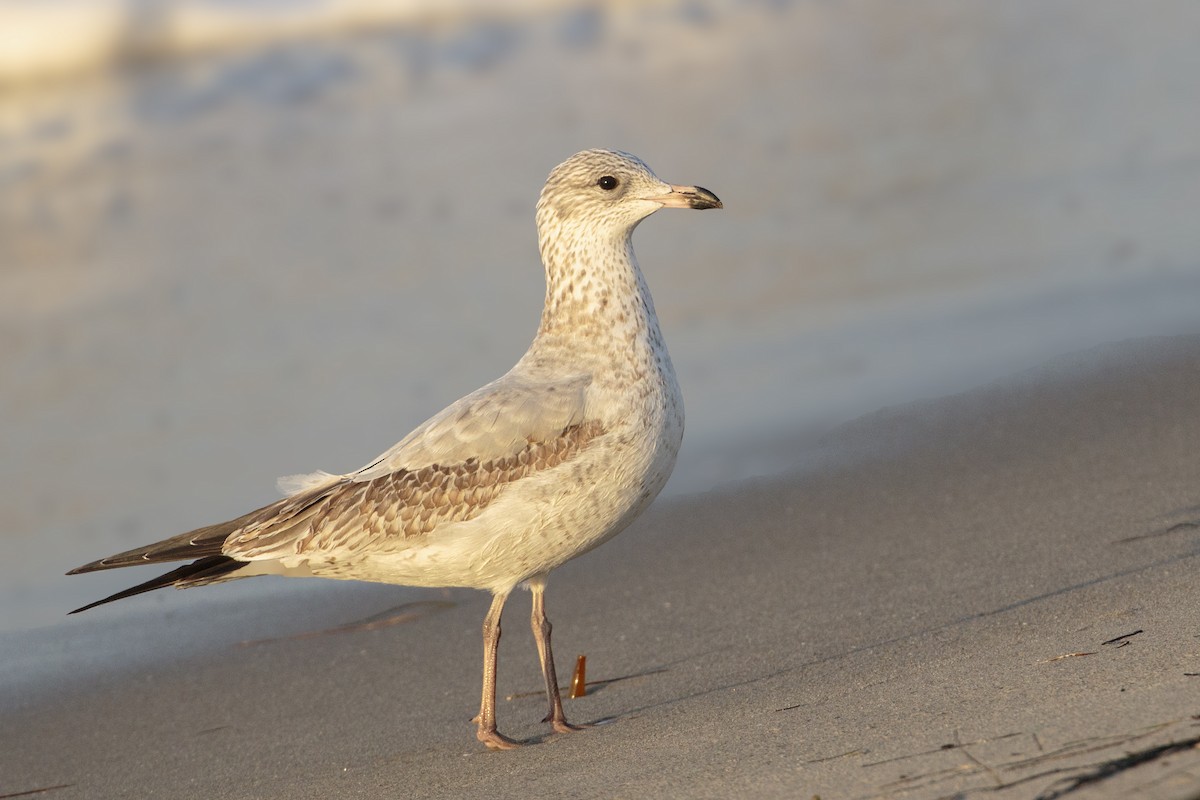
246	239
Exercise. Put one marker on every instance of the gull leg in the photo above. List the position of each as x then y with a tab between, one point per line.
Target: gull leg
541	634
486	721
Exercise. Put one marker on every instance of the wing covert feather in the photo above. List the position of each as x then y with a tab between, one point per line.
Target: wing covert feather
495	421
447	470
385	513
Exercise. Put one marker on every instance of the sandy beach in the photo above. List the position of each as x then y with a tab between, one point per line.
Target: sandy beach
933	528
991	594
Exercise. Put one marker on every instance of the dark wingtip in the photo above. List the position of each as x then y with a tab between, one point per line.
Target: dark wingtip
121	595
108	562
93	605
202	570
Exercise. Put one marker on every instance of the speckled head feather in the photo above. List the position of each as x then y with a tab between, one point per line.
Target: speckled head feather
608	192
586	215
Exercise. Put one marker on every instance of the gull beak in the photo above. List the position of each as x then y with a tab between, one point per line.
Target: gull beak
688	197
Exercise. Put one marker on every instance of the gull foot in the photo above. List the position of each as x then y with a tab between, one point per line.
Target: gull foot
495	740
562	726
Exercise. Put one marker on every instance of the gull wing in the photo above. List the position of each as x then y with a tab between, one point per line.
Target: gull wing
447	470
493	422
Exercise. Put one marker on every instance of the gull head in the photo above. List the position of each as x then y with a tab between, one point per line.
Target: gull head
607	191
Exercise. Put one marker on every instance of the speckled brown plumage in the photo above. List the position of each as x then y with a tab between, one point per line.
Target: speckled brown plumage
404	504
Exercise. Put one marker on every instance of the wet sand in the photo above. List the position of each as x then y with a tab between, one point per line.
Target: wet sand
992	593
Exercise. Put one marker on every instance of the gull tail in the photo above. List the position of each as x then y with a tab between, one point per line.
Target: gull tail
204	570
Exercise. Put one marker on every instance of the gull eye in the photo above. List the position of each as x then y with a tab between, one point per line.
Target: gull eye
607	183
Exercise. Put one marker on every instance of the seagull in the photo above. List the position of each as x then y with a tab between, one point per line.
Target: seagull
499	488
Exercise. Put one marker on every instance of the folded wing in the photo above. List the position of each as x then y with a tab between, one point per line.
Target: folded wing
449	469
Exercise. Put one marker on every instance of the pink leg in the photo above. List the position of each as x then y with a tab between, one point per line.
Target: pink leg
541	634
486	721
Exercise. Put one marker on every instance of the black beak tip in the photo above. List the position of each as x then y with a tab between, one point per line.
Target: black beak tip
703	199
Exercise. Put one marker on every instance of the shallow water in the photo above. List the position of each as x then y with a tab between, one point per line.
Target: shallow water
219	268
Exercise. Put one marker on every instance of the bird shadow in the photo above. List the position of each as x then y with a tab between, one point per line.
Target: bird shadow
399	615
